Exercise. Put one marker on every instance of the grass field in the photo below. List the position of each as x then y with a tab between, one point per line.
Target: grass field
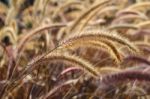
75	49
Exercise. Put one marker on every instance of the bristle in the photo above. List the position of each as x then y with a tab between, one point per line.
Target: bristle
67	58
98	35
96	44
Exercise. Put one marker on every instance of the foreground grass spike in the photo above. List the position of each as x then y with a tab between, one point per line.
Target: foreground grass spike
55	57
93	43
67	58
98	35
126	75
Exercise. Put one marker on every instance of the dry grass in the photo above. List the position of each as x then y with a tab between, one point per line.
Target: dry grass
68	49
